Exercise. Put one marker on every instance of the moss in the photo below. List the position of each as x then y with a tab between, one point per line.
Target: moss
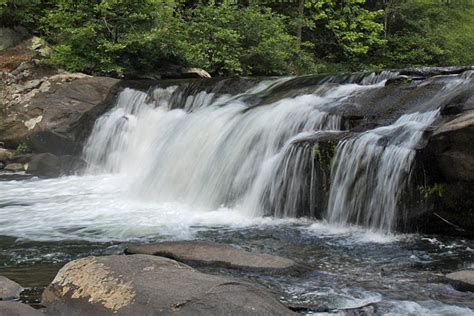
324	153
22	148
435	190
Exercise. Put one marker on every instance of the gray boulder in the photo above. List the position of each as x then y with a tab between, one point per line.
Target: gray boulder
148	285
11	37
451	145
56	114
206	253
17	309
9	289
14	167
49	165
462	280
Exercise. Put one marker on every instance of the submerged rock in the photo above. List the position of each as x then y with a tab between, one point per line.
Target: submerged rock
17	309
9	289
207	253
462	280
149	285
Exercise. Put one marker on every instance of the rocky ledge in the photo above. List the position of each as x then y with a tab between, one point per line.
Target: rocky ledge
207	253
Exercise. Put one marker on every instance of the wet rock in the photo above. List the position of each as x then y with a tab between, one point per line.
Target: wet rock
2	165
45	165
434	71
9	289
49	165
17	309
398	80
462	280
207	253
6	154
14	167
149	285
452	150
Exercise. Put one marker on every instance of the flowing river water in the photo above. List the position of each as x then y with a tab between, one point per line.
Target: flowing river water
166	165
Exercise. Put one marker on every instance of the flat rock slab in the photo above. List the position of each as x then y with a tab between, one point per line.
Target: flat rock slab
462	280
9	289
206	253
17	309
150	285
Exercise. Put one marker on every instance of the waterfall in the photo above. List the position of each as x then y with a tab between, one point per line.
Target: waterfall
254	146
211	150
370	172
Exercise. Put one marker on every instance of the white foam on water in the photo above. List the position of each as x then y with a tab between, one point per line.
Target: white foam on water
98	208
352	233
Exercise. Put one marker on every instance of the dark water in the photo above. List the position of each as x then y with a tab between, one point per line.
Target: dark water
349	268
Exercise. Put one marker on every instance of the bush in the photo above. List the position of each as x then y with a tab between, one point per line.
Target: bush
249	41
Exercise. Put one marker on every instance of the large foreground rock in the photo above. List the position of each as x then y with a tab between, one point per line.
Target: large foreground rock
9	289
199	253
148	285
17	309
462	280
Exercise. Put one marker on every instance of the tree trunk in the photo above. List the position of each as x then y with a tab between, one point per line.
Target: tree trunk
300	23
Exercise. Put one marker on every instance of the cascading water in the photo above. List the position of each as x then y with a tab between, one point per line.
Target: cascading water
248	151
371	171
195	161
210	151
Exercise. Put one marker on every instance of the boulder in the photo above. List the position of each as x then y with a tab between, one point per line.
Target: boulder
207	253
149	285
446	166
14	167
56	114
462	280
9	289
11	37
17	309
6	154
452	150
50	165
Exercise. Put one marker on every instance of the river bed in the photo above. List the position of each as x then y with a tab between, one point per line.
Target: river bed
46	223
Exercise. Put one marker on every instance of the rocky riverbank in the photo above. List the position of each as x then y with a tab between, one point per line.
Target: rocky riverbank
48	114
147	281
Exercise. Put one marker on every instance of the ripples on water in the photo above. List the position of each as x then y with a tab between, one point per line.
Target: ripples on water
46	223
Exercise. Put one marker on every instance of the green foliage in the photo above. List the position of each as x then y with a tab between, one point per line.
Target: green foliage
22	148
352	29
107	37
430	33
20	12
435	190
116	37
228	40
